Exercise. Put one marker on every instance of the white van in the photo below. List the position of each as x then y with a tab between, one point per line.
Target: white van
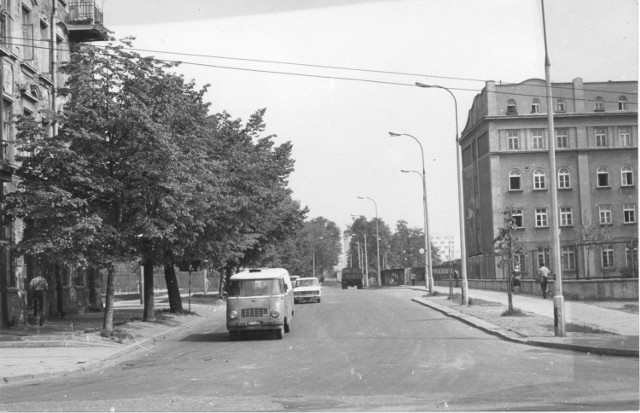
260	299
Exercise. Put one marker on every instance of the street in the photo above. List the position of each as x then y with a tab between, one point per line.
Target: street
357	350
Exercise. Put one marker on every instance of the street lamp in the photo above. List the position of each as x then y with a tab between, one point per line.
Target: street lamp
463	243
428	273
428	269
377	236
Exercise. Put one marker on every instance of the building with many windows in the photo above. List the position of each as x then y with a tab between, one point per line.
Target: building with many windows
506	163
35	37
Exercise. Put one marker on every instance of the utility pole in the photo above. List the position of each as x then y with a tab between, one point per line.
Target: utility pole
558	299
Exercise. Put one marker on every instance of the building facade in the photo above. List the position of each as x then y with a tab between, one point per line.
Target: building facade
35	37
505	159
447	249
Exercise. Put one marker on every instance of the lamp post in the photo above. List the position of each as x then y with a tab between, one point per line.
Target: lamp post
428	272
377	236
463	243
428	269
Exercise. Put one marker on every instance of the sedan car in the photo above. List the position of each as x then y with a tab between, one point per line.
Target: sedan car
306	289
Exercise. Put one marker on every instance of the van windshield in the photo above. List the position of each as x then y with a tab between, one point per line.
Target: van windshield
247	288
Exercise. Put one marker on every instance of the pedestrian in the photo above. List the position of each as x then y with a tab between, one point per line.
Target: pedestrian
515	280
38	287
543	273
456	277
413	278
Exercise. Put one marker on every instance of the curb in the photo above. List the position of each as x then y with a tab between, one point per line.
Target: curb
511	336
111	359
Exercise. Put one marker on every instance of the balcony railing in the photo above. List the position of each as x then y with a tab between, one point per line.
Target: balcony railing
84	12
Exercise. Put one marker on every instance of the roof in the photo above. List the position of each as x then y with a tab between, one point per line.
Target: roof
260	273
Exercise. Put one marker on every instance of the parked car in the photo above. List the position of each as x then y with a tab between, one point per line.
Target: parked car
306	289
260	299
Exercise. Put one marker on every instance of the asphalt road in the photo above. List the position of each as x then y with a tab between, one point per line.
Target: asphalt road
356	350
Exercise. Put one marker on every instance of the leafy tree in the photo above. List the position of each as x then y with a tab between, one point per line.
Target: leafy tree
358	229
508	246
405	247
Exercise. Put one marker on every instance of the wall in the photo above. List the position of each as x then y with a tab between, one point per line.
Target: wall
610	289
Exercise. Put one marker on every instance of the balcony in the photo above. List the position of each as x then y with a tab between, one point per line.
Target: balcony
84	21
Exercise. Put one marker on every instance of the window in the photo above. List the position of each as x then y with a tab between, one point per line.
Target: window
513	140
512	109
566	217
535	105
568	258
603	176
631	252
560	107
622	103
624	136
564	178
607	256
543	256
514	181
601	137
27	35
599	104
541	217
605	214
562	138
537	139
626	173
516	214
629	213
539	181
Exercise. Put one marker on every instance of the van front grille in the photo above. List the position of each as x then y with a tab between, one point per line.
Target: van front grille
253	312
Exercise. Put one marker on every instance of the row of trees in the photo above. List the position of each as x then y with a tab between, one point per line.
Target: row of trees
400	249
140	170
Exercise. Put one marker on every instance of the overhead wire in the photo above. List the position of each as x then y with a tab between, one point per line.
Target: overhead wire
330	77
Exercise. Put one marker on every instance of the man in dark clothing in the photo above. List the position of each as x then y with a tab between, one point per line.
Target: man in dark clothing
39	288
543	273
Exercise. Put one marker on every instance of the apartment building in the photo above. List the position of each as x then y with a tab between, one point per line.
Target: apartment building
506	162
35	37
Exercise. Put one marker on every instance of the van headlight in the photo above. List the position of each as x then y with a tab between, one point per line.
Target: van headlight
233	315
275	314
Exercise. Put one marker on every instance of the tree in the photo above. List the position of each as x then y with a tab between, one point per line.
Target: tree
508	246
406	244
590	236
357	231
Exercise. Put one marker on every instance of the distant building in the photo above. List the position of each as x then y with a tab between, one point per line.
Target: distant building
506	162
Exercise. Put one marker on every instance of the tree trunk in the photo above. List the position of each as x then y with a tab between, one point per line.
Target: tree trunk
175	302
510	286
221	286
227	278
149	313
107	325
59	291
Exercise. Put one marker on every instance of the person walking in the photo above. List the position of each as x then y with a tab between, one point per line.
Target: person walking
543	273
456	277
413	278
38	287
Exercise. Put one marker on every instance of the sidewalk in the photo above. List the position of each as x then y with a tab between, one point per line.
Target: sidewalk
615	331
73	343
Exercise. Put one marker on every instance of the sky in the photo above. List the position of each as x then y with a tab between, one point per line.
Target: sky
360	60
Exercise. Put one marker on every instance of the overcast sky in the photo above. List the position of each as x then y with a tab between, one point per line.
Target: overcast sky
339	128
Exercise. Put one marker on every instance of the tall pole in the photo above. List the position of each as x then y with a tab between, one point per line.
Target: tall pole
463	242
428	268
53	66
558	299
377	236
366	260
428	280
313	260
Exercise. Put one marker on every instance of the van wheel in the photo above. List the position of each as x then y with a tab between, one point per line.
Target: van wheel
287	327
234	335
280	333
318	300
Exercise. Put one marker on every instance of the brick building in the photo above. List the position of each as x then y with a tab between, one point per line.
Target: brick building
506	162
